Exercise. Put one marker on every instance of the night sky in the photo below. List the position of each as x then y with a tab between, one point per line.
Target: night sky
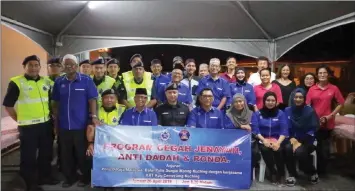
335	44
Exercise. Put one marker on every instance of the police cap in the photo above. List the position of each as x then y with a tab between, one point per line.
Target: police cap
171	86
141	91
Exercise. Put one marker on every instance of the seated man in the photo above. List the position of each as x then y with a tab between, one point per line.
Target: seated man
109	114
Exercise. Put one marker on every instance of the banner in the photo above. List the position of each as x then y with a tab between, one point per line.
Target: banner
136	156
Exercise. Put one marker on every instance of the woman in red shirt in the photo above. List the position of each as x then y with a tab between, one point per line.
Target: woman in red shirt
266	86
320	97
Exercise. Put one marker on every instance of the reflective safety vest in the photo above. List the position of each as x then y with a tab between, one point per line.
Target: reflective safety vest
32	104
129	75
131	87
111	118
106	84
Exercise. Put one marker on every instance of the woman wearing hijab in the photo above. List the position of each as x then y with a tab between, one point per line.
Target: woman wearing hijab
242	87
303	122
270	126
307	81
239	117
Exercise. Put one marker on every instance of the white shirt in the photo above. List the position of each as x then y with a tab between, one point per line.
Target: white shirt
255	80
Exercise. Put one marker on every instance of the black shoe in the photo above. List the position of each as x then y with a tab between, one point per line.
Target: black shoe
67	184
314	179
291	181
82	183
48	181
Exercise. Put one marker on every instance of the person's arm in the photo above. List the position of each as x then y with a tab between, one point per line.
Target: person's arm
90	134
92	99
153	101
154	118
228	124
284	128
340	99
124	118
191	119
10	99
279	94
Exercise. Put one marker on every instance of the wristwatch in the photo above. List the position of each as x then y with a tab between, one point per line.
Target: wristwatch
93	116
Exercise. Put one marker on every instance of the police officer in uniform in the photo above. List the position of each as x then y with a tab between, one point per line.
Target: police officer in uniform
113	69
54	69
30	91
128	88
103	82
172	112
133	61
85	67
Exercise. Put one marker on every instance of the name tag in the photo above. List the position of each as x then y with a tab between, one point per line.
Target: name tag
219	88
275	119
146	121
165	113
213	117
162	83
79	89
247	91
182	113
181	93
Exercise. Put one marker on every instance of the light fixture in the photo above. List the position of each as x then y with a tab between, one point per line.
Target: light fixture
95	4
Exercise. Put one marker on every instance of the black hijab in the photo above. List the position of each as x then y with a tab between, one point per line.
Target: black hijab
302	116
266	112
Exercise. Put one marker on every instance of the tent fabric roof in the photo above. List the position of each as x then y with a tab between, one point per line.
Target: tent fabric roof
246	21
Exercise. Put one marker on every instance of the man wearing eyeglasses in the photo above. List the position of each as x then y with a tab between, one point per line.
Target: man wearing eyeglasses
205	115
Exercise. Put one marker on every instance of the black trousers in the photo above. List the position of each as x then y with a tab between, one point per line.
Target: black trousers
303	156
273	158
323	150
255	154
33	138
73	145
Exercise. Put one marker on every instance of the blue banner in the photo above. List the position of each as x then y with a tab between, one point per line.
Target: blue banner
133	156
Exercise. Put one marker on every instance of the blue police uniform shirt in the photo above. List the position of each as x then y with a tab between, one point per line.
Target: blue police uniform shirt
159	81
220	88
199	118
271	127
184	96
244	88
145	118
300	133
73	98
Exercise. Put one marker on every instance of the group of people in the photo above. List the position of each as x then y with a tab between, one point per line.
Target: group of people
285	121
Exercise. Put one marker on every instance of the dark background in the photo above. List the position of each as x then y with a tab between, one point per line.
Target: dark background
335	44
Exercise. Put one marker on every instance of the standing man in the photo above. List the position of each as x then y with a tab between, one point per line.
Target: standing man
205	115
30	92
262	63
177	60
203	70
139	115
158	78
190	79
128	88
220	88
54	69
129	75
184	91
172	112
85	67
101	80
113	69
74	105
229	75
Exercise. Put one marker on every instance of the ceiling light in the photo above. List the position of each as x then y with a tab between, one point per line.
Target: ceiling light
95	4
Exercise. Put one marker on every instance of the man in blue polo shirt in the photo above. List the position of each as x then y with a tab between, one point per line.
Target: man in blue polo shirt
220	87
76	95
159	79
185	95
139	115
205	115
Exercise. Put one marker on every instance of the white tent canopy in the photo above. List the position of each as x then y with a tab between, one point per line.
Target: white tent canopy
248	27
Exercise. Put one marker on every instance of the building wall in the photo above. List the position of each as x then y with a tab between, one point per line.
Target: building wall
14	48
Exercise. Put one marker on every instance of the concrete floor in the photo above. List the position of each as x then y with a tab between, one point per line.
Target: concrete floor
342	178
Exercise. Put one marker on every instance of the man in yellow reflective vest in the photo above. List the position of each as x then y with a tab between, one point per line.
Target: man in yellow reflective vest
128	88
129	74
113	69
109	114
30	92
102	81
